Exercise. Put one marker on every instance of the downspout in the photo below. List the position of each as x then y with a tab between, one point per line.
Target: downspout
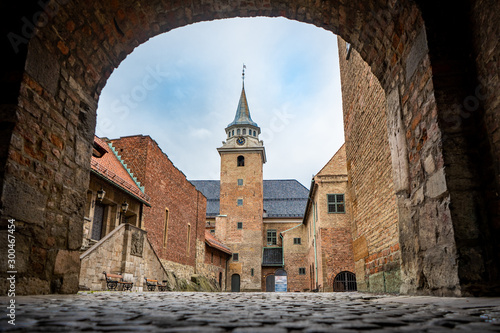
283	243
315	247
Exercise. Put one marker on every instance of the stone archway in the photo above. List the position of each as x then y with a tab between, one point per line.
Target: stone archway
59	56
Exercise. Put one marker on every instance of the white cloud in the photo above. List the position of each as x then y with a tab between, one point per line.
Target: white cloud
292	85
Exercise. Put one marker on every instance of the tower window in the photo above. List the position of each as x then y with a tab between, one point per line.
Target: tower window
302	271
236	257
254	134
240	182
252	272
244	131
241	161
297	241
239	225
238	131
232	133
240	202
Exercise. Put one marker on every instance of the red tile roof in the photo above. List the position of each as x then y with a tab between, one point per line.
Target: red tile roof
215	243
111	169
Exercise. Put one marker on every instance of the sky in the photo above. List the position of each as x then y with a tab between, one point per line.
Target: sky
182	88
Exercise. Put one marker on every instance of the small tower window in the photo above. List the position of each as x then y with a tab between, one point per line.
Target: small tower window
240	182
241	161
238	131
254	134
239	202
244	131
232	133
239	225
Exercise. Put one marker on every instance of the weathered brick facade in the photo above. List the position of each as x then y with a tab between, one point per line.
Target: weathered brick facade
328	233
372	200
177	208
427	64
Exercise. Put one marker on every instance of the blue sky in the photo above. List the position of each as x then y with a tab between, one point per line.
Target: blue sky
182	88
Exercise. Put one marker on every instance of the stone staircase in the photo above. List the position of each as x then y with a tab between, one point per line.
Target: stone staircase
87	244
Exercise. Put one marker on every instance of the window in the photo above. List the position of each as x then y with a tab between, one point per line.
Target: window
251	272
240	202
240	182
254	134
238	131
212	231
165	229
271	237
336	203
302	271
236	257
244	131
188	239
232	133
239	225
297	240
212	259
241	161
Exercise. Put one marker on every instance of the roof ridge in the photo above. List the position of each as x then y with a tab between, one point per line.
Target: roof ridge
113	149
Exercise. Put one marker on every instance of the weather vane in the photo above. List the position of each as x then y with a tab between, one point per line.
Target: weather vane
243	73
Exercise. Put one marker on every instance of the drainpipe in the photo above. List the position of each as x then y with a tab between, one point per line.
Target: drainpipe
315	247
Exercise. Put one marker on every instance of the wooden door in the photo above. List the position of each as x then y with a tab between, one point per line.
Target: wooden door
235	283
97	222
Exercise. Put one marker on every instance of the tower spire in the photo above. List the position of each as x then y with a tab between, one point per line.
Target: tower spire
243	75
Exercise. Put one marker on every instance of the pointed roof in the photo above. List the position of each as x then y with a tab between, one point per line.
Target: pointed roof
242	116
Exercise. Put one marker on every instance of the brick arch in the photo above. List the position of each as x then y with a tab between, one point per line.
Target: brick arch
57	71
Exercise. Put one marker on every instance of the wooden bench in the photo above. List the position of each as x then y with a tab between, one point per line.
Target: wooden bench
152	284
114	280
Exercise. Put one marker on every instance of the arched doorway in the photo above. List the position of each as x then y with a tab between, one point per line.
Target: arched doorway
345	281
55	73
235	283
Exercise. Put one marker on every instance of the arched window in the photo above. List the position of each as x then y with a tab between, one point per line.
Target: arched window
254	133
244	131
345	281
241	161
238	131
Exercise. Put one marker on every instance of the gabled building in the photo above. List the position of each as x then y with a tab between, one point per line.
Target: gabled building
114	195
328	226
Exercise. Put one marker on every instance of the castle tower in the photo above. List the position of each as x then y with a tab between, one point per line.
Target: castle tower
239	224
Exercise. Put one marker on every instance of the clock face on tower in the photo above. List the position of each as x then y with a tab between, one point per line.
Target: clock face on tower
240	140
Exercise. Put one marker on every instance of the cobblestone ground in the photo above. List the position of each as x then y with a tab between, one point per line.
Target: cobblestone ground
251	312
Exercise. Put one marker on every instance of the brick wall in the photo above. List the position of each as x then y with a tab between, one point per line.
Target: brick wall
247	242
169	190
372	199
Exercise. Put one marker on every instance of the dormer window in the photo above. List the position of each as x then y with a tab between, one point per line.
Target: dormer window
241	161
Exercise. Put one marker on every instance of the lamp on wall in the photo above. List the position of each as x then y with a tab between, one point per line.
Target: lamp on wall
124	207
100	194
123	218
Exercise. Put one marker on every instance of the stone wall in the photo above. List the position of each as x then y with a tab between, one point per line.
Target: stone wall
370	191
126	251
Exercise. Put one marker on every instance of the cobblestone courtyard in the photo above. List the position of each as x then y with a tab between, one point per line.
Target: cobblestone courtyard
251	312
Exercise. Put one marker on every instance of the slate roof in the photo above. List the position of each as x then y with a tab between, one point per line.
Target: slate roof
242	116
282	197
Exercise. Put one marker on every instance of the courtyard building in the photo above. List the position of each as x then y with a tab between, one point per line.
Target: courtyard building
274	245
